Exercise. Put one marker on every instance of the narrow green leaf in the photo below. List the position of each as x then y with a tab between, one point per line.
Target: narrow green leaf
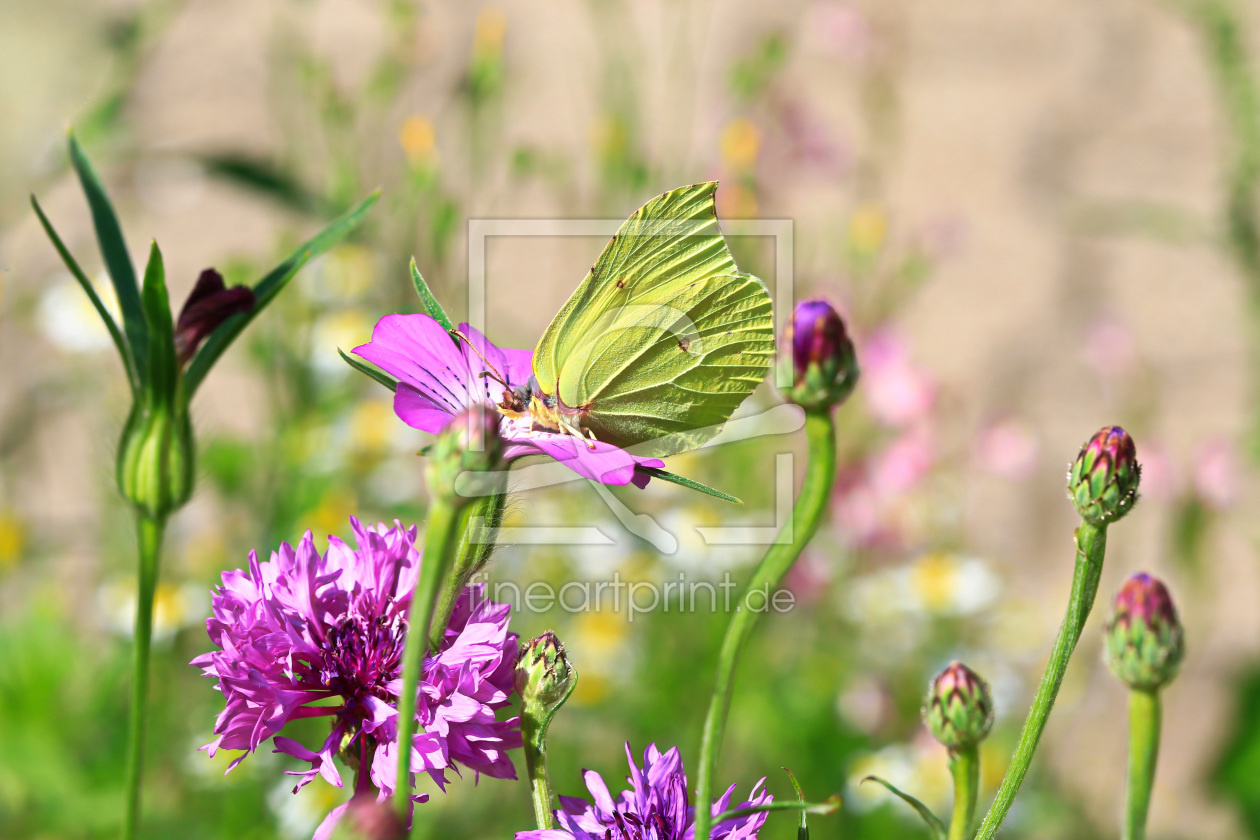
369	370
934	824
431	306
163	369
268	288
828	806
120	341
265	178
802	831
117	261
664	475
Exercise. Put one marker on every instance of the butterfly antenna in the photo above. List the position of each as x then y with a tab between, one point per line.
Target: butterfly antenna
493	372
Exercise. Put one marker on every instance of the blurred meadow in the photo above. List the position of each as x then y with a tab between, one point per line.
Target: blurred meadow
1034	214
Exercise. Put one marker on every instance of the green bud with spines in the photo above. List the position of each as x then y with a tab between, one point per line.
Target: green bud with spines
1145	640
1103	481
958	710
817	356
544	676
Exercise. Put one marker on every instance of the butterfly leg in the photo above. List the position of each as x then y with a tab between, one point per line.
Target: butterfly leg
565	428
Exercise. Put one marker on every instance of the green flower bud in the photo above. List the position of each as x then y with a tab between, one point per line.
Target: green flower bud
1145	641
818	356
959	708
1103	482
470	443
155	459
544	676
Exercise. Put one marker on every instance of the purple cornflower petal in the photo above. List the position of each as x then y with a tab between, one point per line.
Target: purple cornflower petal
438	379
305	627
655	808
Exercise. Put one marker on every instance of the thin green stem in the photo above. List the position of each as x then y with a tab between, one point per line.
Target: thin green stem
1091	544
820	473
474	549
964	766
149	533
1144	725
534	736
439	545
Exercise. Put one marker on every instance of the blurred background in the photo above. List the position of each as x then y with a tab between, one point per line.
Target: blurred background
1038	216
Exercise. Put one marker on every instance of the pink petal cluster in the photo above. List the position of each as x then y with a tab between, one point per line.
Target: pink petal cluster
438	379
306	628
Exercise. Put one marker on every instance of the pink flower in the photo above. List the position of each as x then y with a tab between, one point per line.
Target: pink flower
897	392
1216	474
438	379
1007	448
305	628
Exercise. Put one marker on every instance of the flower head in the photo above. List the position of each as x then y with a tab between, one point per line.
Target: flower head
959	707
1103	481
544	676
438	379
307	627
655	808
1145	640
823	364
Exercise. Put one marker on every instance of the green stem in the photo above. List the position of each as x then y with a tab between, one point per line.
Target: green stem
1091	544
149	532
964	766
1144	724
474	549
534	736
820	473
439	544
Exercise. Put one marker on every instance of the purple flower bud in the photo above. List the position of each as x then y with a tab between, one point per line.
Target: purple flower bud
470	443
818	356
959	707
1145	640
1103	481
208	305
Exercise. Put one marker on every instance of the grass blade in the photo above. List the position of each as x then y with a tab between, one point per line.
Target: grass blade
117	261
120	341
933	822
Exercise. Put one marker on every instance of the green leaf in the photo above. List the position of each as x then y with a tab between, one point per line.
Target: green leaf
934	824
672	478
268	288
120	341
828	806
117	261
163	367
802	832
369	370
263	177
431	306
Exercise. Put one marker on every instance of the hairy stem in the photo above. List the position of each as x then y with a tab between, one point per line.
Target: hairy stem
820	473
477	529
534	735
964	766
1144	724
439	547
1091	543
149	531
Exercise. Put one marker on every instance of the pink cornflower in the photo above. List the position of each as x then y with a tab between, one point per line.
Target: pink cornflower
306	628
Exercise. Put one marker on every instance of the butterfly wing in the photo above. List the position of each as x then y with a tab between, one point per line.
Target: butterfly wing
669	242
667	373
